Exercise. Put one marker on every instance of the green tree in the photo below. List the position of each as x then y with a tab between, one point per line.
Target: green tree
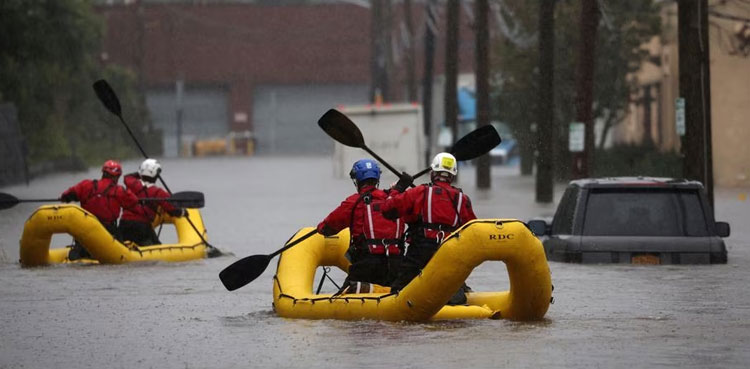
624	27
48	61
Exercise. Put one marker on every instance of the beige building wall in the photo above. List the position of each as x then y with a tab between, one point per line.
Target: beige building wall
730	99
730	93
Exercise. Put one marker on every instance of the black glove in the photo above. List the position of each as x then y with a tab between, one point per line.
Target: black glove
327	231
179	212
68	197
404	181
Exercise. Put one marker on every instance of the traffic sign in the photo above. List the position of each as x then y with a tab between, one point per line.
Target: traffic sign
576	136
679	115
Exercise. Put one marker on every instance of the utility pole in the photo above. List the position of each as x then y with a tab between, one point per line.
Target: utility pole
179	92
453	11
583	162
429	56
378	63
483	85
546	128
387	36
411	83
695	88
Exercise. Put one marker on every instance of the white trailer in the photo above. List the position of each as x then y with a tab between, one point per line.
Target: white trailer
392	131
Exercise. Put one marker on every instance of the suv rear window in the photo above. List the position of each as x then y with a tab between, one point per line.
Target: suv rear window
562	222
663	212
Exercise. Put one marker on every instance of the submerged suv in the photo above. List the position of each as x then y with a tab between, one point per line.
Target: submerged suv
637	220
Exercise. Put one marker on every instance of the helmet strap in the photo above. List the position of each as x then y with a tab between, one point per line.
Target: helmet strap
441	177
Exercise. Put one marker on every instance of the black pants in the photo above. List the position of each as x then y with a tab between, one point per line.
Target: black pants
379	269
140	233
416	258
79	252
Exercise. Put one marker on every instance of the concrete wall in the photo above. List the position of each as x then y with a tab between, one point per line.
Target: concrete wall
730	101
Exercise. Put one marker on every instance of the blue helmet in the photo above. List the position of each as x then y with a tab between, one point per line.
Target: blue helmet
365	169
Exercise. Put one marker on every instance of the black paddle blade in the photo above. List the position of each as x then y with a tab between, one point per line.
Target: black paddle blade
108	97
188	199
341	128
8	201
476	143
243	271
185	199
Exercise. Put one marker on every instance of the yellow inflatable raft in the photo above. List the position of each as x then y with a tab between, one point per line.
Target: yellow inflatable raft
84	227
506	240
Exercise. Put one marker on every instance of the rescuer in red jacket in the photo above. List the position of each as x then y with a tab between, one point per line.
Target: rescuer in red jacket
135	224
376	245
104	198
432	211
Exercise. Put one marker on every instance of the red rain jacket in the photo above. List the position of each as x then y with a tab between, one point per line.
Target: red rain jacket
362	213
145	212
103	197
438	209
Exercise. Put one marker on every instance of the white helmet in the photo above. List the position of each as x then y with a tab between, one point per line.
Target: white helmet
149	168
444	162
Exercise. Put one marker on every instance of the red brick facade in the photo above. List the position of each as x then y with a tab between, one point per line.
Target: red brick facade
239	46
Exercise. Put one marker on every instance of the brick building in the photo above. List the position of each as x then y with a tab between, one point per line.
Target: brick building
257	67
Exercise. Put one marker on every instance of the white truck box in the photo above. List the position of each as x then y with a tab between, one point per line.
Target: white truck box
392	131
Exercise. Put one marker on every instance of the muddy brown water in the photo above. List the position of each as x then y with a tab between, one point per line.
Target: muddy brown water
160	315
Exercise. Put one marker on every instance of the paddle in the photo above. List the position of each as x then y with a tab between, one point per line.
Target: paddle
342	129
8	201
249	268
108	97
475	144
186	199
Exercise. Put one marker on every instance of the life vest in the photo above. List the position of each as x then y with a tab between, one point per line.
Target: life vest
146	211
103	202
441	210
380	235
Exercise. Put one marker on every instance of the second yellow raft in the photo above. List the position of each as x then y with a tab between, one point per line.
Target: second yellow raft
104	248
506	240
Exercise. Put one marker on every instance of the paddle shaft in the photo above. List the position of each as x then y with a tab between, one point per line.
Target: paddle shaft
58	200
143	152
378	158
249	268
38	200
288	246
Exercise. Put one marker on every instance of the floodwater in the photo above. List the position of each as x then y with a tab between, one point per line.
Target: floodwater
160	315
